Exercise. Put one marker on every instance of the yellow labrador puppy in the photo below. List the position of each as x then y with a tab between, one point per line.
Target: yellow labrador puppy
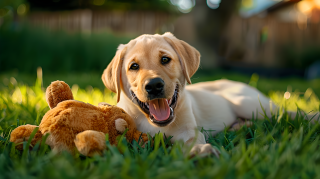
149	75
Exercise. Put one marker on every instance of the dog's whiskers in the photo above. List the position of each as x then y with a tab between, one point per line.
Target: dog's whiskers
174	122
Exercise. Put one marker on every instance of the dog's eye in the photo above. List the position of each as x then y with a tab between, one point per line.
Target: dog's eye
165	60
134	66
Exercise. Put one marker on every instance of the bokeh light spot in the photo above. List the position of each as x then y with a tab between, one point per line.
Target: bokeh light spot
22	9
213	4
184	6
287	95
247	4
305	6
317	3
98	2
3	12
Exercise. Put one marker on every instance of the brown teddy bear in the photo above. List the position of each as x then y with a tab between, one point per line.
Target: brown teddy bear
73	124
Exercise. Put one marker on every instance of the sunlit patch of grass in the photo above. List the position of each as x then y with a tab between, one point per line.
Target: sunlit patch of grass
93	95
306	101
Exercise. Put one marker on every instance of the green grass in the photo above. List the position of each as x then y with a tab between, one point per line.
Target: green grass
271	148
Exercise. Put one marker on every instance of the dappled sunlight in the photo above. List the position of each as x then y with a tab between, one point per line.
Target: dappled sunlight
93	95
27	96
307	101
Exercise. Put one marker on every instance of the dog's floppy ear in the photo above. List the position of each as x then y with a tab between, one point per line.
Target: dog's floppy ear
111	76
189	57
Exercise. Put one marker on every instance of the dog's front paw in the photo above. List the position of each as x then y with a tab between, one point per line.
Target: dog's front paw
204	150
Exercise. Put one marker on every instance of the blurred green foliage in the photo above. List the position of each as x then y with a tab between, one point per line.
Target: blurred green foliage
8	11
302	59
150	5
9	7
25	49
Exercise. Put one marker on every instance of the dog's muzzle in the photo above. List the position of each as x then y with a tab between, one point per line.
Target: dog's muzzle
160	110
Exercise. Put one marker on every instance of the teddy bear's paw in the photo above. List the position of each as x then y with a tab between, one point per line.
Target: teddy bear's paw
204	150
121	125
90	142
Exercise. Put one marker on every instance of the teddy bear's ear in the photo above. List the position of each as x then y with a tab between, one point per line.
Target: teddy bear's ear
111	76
57	92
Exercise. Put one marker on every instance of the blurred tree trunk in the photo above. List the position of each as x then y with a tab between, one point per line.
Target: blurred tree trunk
211	24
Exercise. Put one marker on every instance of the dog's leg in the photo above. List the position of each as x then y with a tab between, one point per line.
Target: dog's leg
246	101
204	150
198	142
201	148
238	125
247	107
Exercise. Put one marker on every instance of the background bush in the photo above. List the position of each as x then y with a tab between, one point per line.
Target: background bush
25	49
299	59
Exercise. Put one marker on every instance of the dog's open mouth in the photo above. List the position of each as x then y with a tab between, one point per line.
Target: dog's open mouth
160	111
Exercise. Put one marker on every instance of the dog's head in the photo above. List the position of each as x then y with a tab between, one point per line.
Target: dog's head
151	70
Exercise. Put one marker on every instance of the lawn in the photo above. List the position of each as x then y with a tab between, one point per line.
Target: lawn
272	148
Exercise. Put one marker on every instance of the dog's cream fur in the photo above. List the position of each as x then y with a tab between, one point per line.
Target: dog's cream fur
211	105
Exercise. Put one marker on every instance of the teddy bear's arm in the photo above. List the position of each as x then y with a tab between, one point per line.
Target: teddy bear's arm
22	133
121	125
92	142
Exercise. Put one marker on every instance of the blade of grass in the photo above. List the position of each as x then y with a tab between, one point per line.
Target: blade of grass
26	147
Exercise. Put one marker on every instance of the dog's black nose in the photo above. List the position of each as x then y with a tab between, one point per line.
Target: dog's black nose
155	86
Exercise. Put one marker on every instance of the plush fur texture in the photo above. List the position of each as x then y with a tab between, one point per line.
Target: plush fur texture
22	133
77	125
94	138
57	92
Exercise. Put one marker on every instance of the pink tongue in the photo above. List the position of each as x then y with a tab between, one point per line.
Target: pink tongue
160	109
